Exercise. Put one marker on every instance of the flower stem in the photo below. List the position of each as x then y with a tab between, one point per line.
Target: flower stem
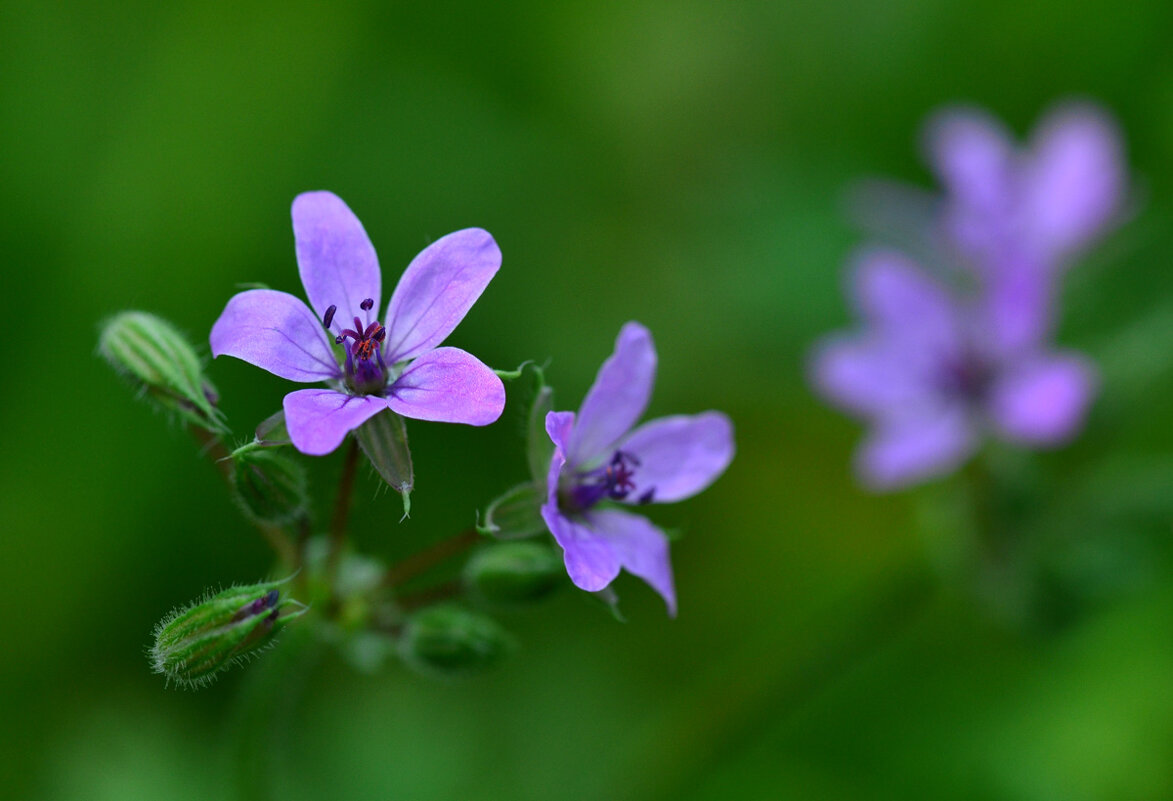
278	540
341	511
441	592
424	560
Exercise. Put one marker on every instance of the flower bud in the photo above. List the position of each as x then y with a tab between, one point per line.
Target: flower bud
269	487
513	572
162	364
195	643
448	640
515	514
384	440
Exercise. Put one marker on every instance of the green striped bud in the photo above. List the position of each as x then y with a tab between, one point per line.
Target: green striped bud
269	487
162	364
192	645
384	440
448	640
513	572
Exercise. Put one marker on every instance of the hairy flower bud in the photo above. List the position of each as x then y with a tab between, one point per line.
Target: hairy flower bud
162	364
513	572
195	643
384	440
269	486
449	640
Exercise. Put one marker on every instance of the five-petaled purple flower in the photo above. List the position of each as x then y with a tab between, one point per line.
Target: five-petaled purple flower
390	364
598	458
929	374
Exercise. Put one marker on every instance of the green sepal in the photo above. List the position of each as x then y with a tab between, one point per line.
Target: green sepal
194	644
515	514
539	448
163	365
269	486
513	572
384	441
449	640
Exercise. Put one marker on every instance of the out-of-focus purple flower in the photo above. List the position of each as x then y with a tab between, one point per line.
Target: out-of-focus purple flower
930	376
1017	215
396	365
599	458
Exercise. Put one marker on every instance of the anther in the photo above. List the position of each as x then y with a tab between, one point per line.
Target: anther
329	318
367	304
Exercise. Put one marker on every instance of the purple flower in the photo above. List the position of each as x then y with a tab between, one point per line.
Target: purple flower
394	364
599	459
1017	215
930	375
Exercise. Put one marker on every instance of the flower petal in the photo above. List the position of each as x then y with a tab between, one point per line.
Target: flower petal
907	451
679	456
640	547
617	398
1044	401
1074	182
974	156
905	303
869	375
276	332
590	561
448	385
335	257
1014	311
437	290
319	419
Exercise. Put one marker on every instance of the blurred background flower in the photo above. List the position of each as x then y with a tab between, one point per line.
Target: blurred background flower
680	163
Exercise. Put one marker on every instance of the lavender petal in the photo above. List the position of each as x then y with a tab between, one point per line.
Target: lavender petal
907	451
335	257
276	332
1043	401
590	561
679	456
448	385
319	419
640	547
436	291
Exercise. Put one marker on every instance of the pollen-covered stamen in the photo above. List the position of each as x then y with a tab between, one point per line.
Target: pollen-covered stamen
614	480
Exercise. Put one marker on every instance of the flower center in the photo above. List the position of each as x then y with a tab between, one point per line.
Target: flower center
615	480
967	378
365	372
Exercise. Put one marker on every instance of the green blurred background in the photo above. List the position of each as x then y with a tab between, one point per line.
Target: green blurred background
681	163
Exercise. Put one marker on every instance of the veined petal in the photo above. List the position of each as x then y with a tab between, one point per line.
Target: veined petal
617	398
590	561
1044	401
640	547
448	385
558	428
679	456
335	257
437	290
319	419
1074	180
900	453
276	332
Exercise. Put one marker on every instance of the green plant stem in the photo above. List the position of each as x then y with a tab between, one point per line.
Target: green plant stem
424	560
338	521
276	537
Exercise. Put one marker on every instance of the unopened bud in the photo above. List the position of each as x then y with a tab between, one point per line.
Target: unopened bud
513	572
162	364
270	487
197	642
449	640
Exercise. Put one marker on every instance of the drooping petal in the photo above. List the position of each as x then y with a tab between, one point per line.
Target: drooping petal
869	375
641	548
617	398
906	304
1074	182
590	560
679	456
437	290
276	332
448	385
335	257
1044	401
915	448
319	419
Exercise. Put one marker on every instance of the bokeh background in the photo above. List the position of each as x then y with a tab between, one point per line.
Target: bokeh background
681	163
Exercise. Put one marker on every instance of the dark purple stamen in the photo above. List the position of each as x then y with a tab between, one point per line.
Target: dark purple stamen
266	601
365	372
613	480
329	318
367	304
